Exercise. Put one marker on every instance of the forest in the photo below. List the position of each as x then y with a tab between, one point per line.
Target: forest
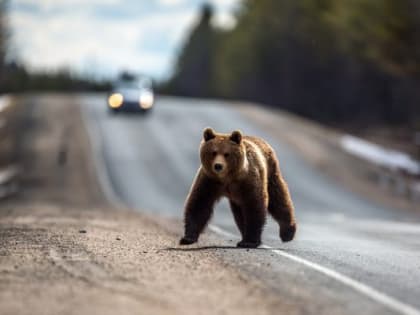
333	61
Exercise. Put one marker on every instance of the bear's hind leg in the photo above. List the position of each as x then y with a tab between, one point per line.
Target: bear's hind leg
280	206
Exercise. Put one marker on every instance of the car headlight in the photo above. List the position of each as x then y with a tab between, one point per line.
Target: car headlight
146	100
115	100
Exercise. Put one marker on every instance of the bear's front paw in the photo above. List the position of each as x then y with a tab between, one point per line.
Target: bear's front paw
287	233
247	244
187	240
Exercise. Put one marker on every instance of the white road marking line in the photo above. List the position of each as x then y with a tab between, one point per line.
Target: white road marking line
368	291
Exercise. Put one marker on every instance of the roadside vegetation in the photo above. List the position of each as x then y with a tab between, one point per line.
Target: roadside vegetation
333	61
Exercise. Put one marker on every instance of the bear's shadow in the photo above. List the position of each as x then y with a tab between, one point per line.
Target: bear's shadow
192	249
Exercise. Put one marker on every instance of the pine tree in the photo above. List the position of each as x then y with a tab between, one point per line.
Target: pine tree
194	68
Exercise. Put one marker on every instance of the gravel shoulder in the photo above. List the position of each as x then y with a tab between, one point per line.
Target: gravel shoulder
67	261
64	250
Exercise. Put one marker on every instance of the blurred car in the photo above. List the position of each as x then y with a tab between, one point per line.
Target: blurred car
134	95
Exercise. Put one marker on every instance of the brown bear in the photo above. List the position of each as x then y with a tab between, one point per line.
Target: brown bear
244	169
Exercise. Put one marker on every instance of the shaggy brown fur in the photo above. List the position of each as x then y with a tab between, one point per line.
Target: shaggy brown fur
246	171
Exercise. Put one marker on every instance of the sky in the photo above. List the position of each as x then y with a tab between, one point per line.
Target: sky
103	37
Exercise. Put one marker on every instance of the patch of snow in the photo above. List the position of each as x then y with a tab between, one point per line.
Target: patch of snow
5	101
374	153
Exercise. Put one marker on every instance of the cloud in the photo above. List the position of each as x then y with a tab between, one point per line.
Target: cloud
170	3
224	13
224	20
103	36
224	5
95	44
49	5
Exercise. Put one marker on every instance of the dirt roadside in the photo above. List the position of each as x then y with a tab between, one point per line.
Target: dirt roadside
65	250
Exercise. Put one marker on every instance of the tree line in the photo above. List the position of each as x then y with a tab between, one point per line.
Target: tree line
16	78
334	61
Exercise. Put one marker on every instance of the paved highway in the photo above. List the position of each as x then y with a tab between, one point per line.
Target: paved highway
351	253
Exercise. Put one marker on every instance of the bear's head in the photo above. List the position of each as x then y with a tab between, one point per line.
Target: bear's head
222	155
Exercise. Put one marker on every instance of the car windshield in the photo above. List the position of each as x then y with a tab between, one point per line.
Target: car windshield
142	83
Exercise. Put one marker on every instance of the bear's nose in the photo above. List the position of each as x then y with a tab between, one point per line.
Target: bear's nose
218	167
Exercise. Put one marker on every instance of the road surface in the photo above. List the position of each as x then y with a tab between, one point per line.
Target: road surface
362	256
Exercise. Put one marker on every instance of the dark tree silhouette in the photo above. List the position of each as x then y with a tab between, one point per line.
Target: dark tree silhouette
3	39
194	69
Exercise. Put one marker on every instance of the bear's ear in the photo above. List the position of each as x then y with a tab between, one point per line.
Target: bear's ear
208	134
236	136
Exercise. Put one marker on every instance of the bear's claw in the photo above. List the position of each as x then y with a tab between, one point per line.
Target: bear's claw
187	241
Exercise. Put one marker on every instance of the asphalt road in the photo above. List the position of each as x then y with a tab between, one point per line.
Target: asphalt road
362	256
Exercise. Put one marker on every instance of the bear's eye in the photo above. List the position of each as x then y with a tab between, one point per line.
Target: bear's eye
214	153
226	155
